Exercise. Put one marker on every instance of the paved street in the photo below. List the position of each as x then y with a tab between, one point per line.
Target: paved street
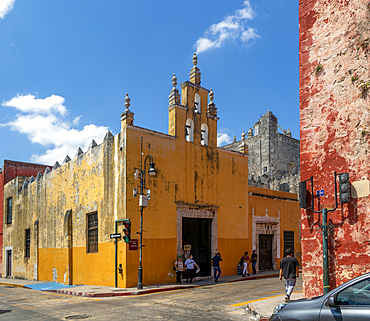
224	301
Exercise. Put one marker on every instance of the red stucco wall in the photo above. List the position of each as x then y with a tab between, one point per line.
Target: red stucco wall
334	50
10	170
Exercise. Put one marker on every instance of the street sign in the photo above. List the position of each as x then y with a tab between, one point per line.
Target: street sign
115	236
133	245
320	193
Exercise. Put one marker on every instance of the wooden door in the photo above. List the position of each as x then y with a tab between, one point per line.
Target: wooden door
265	252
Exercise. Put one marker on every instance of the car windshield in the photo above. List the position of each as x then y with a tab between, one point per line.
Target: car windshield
355	294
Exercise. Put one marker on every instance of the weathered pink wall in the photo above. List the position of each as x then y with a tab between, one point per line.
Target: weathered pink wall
335	132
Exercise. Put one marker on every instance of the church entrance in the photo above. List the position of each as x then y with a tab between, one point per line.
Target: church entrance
265	252
196	240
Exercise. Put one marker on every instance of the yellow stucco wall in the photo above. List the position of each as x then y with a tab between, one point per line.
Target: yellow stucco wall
192	180
272	203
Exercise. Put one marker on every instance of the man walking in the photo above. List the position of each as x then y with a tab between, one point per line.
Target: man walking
254	261
216	266
289	268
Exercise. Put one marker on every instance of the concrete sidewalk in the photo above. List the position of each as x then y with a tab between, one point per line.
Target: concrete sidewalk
94	291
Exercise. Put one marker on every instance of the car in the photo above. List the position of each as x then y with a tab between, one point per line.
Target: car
348	302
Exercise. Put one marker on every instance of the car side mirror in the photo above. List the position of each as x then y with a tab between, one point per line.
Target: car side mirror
331	301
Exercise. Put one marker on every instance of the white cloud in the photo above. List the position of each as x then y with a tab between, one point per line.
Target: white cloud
5	7
42	120
223	138
30	103
230	29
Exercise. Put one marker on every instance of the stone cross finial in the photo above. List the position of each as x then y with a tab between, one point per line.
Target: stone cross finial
174	80
127	102
195	59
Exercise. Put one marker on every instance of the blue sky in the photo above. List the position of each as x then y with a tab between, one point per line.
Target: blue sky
66	67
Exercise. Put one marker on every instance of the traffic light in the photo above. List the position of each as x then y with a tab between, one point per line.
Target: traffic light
127	231
344	188
302	195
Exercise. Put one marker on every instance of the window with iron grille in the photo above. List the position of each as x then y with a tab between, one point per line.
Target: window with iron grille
9	210
27	252
92	233
288	240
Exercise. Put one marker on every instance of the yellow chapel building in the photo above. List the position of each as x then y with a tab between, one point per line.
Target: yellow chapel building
66	222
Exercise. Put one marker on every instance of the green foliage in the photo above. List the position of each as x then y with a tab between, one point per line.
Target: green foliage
318	68
364	89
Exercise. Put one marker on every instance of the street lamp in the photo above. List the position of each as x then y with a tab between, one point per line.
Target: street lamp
144	195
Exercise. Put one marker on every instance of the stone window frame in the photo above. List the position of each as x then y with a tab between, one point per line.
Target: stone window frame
9	213
27	243
92	232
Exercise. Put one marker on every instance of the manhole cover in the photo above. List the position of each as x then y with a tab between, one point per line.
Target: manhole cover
78	317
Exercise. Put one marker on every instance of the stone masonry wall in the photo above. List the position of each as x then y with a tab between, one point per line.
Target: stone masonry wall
269	156
334	37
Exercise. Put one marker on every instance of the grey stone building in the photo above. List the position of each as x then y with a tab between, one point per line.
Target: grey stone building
273	156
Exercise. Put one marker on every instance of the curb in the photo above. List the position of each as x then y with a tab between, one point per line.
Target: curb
254	277
138	292
13	285
110	294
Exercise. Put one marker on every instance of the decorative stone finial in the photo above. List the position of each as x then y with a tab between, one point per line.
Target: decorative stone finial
127	102
211	95
234	140
243	135
195	59
194	72
174	81
211	110
243	147
174	97
127	117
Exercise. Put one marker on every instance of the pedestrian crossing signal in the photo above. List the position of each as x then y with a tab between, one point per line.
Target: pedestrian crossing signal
127	231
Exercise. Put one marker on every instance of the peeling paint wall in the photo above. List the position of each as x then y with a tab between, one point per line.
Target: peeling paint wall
78	186
9	171
334	119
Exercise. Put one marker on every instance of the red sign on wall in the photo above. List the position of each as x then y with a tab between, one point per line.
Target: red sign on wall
133	245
